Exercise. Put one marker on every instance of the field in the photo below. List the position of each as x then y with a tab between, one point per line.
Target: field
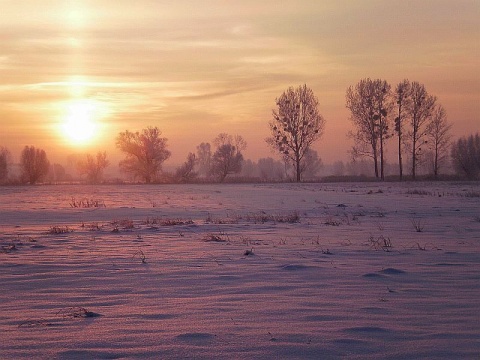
284	271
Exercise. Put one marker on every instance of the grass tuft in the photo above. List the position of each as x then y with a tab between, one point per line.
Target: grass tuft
77	312
57	230
86	203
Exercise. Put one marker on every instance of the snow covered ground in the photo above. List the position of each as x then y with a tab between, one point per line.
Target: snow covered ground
284	271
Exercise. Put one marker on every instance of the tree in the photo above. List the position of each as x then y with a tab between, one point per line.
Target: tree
438	134
271	169
370	105
296	125
228	157
465	153
145	152
34	164
204	159
402	95
186	173
419	113
56	173
93	167
4	157
311	164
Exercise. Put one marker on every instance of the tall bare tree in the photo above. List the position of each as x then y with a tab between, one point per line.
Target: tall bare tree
370	104
402	96
34	163
93	167
145	152
296	125
419	114
438	134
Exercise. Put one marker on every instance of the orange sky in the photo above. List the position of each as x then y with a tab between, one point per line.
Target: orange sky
198	68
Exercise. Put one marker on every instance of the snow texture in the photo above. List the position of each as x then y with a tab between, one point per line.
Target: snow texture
284	271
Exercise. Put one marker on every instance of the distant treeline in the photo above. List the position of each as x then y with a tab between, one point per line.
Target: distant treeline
379	113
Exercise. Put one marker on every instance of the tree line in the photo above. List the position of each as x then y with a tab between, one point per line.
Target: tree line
420	124
407	113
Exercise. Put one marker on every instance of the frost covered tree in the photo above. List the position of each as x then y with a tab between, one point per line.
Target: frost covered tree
204	159
271	169
438	135
145	153
228	157
465	153
296	125
34	164
402	97
186	172
311	164
419	115
4	156
93	167
370	104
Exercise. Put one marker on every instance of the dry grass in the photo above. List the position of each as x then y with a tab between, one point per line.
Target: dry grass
257	218
77	312
214	238
125	224
419	192
472	194
418	224
57	230
380	243
86	203
167	222
141	255
8	248
331	221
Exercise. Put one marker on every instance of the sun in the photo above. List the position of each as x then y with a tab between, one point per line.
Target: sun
80	125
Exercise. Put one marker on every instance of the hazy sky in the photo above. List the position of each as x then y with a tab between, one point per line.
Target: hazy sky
198	68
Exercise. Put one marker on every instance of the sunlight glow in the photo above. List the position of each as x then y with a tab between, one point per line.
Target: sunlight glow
75	15
80	124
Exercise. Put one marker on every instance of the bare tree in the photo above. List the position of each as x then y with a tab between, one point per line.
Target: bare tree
370	105
311	164
228	157
186	173
34	164
296	125
438	134
465	153
204	159
93	167
403	99
4	157
145	152
419	113
271	169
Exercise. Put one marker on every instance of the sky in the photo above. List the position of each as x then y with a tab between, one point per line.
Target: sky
73	74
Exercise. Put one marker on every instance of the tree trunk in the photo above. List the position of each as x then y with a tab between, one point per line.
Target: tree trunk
375	162
400	165
297	161
414	154
382	173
